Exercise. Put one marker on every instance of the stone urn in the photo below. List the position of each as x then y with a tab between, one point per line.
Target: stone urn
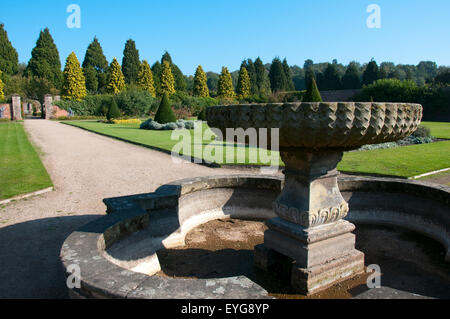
310	234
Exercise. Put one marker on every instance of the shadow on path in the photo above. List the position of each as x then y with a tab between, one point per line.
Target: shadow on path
29	257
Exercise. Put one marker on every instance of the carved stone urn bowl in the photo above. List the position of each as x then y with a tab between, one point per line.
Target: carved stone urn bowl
310	230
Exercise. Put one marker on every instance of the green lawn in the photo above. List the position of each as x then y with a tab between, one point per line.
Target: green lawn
21	170
407	161
438	129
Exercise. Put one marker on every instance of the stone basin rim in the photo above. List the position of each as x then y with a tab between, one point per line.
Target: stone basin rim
103	279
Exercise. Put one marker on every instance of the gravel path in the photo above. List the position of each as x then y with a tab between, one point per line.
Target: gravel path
85	168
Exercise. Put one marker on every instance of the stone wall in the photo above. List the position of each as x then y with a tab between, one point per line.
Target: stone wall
5	111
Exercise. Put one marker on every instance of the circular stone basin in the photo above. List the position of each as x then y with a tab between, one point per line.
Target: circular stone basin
322	125
124	254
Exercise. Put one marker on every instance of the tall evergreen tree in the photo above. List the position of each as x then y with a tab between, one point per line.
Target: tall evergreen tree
262	78
74	84
351	79
145	78
225	88
200	86
95	60
9	59
180	81
288	75
130	62
331	80
251	70
115	79
243	89
370	74
277	76
45	62
91	77
167	81
157	70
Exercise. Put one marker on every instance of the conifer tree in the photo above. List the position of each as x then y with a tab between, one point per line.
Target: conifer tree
165	113
277	76
167	82
91	77
225	86
289	86
312	93
95	60
243	89
180	81
74	83
115	79
351	78
200	85
251	70
331	78
130	62
145	78
262	78
370	74
9	59
2	94
45	62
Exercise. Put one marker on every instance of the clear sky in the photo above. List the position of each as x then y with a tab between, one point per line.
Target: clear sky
216	33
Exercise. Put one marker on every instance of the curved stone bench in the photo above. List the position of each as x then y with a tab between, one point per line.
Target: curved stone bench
117	253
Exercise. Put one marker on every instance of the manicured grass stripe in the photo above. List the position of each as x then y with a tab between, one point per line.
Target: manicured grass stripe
21	169
407	161
438	129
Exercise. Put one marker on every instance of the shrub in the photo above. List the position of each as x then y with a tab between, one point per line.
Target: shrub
202	115
165	113
422	131
113	112
180	124
390	90
136	102
92	105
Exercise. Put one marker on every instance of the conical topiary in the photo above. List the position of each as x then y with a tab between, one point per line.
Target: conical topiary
113	111
165	113
312	94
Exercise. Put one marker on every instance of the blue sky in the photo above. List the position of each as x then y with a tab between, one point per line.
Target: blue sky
224	32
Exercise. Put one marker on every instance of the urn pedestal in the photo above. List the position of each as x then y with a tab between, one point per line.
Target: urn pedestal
310	240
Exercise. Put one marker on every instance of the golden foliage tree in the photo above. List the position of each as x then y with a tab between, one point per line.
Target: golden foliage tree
200	86
145	78
167	81
116	80
225	88
74	82
243	86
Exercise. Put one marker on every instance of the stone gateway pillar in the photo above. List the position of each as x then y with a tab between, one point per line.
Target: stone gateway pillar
16	108
48	109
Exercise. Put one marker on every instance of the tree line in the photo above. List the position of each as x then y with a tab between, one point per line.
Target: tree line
253	81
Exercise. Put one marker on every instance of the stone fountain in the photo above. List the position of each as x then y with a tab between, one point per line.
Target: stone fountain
309	213
310	232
